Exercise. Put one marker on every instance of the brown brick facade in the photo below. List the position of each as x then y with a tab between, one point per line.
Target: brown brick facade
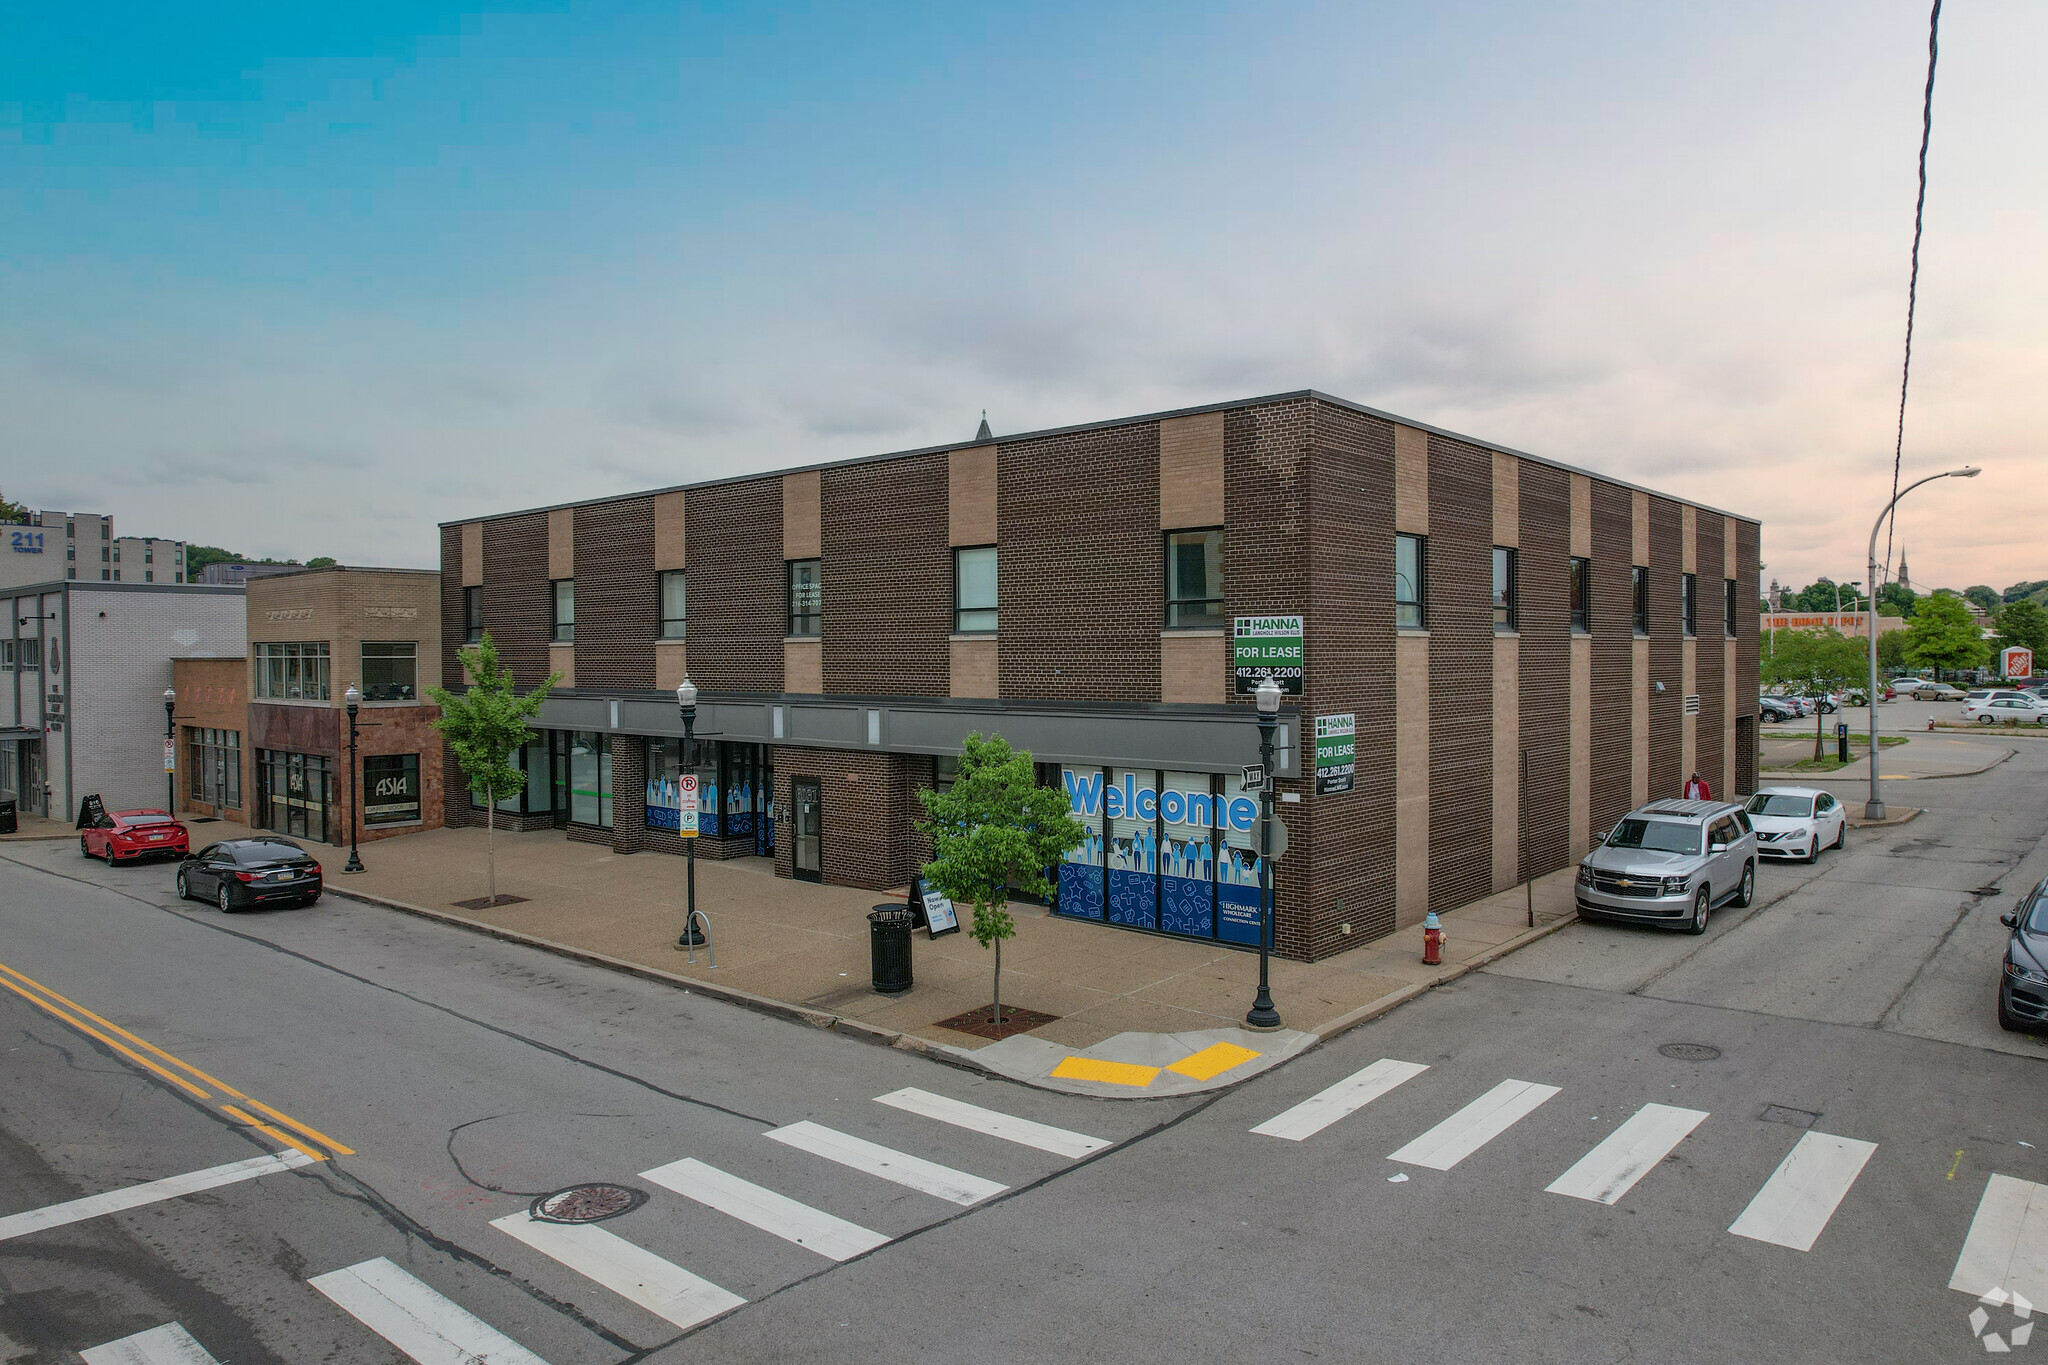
1613	653
888	578
213	694
1667	649
1710	679
738	593
1460	591
1546	667
618	605
863	797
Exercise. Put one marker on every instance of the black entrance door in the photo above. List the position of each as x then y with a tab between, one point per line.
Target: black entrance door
807	841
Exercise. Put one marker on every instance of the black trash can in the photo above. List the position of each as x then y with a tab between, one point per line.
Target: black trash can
8	824
889	946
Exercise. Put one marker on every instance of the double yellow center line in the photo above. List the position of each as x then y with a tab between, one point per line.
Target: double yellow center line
192	1080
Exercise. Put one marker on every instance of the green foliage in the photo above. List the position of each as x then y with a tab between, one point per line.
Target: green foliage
1943	634
322	562
1891	651
1985	597
1822	595
1811	663
197	557
2025	623
485	724
1896	599
12	511
2037	591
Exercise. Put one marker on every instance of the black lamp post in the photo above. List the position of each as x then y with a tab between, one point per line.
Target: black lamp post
686	702
1262	1014
170	764
355	779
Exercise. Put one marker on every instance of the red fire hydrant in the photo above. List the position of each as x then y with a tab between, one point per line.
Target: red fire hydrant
1930	722
1432	940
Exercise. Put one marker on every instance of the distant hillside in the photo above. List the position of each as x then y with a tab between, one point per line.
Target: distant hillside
2036	591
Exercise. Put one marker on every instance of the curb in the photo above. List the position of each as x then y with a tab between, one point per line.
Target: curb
1905	817
1386	1004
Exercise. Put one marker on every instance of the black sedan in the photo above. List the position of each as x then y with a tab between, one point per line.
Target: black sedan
2023	991
239	873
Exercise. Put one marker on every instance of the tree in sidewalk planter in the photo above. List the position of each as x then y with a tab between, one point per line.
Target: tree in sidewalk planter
994	831
1816	663
485	726
1944	634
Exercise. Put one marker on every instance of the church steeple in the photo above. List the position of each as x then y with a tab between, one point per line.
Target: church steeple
984	434
1905	578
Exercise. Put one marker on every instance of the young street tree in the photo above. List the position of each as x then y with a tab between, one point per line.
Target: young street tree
1944	634
994	831
1814	663
484	726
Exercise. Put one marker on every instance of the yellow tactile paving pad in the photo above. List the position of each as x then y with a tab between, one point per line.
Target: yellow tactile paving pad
1114	1073
1213	1061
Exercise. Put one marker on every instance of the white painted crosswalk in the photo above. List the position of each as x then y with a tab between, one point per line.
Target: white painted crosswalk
1472	1127
1796	1203
1010	1128
1612	1169
790	1219
425	1325
169	1344
628	1270
1341	1100
152	1192
913	1172
2006	1250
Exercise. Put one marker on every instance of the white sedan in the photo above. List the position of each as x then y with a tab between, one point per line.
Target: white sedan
2007	708
1797	822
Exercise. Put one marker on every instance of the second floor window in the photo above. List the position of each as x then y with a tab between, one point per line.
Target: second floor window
391	670
974	590
1194	578
806	597
1582	594
1689	603
292	670
1504	617
472	615
1639	590
565	611
1411	583
672	604
1728	607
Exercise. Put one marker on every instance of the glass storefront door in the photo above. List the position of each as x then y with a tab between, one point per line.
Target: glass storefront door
807	841
296	792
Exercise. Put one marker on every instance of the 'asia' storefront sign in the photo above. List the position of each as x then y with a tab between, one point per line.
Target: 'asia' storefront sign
1336	752
1264	647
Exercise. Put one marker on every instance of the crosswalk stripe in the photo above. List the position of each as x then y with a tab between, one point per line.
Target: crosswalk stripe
135	1196
662	1287
1625	1155
169	1344
426	1325
812	1229
2007	1246
1802	1194
973	1117
928	1177
1477	1124
1346	1097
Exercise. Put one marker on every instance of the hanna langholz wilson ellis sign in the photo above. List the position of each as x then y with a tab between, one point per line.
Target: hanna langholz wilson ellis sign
1268	647
1336	752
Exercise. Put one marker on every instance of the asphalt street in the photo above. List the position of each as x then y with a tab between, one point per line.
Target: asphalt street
1564	1189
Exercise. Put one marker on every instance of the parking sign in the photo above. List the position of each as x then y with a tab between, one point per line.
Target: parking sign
686	793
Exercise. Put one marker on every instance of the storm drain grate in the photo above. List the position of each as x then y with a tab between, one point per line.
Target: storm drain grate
1798	1118
587	1203
1690	1052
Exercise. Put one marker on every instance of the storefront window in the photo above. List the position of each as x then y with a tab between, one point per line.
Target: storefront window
531	796
292	670
590	779
1081	873
213	759
296	791
391	789
391	670
1175	851
731	794
1134	852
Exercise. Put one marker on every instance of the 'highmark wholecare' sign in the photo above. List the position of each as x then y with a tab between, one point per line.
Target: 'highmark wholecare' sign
1268	647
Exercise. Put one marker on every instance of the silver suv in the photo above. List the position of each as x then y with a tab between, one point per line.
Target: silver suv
1671	861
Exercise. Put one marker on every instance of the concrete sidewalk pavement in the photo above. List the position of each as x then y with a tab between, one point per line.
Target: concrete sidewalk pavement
1138	1015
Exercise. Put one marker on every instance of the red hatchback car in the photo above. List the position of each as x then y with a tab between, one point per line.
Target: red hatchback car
126	835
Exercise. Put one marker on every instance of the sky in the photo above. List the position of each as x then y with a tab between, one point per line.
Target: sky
309	280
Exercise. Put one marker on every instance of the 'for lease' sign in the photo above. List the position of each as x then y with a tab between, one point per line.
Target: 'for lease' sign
1268	647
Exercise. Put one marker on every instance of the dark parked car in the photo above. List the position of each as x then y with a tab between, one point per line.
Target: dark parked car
239	873
2023	991
1776	709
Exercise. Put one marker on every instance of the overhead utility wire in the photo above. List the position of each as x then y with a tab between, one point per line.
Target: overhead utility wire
1912	283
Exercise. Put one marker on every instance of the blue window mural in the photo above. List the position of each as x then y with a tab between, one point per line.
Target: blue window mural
732	800
1173	851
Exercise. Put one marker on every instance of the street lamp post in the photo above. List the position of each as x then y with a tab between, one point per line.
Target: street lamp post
170	738
686	702
355	779
1262	1014
1873	809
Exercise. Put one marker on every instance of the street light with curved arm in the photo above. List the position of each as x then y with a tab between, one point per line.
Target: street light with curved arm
1873	809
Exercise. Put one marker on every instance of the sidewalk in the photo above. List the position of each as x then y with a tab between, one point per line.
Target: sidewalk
1925	756
29	828
1138	1015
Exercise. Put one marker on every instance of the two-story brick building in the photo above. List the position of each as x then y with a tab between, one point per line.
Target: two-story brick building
270	744
1521	650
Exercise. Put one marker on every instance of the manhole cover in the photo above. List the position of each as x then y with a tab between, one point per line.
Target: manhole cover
587	1203
1690	1052
1798	1118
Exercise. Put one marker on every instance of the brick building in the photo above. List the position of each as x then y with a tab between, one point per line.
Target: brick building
313	634
1478	613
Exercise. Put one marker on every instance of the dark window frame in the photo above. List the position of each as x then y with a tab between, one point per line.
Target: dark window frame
1507	606
472	614
561	632
808	625
1689	604
672	627
1728	617
961	611
1639	594
1579	593
1186	612
1419	603
406	765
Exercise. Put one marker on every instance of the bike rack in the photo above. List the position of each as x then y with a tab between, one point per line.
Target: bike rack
699	917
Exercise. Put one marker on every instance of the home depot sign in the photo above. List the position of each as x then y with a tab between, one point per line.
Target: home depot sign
2016	662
